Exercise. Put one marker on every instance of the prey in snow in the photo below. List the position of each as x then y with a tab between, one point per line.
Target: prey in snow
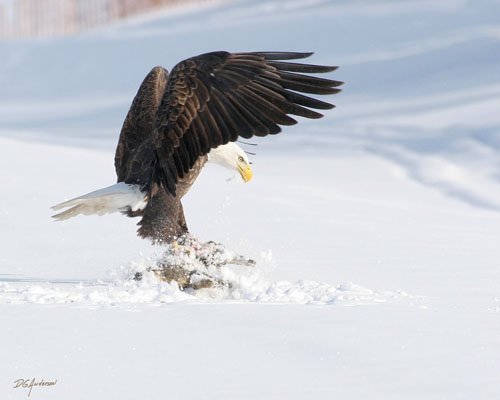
179	121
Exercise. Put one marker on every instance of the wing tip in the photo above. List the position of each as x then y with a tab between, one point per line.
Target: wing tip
331	68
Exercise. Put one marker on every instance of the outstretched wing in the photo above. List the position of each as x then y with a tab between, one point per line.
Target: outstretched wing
216	97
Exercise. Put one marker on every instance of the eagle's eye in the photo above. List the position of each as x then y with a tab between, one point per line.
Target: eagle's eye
240	159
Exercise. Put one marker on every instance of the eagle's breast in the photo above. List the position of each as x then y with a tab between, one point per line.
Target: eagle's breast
185	183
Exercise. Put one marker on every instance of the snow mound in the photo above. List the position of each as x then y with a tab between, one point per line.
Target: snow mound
243	284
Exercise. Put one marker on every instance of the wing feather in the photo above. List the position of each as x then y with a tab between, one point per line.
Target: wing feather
260	124
296	67
280	101
267	108
281	55
214	110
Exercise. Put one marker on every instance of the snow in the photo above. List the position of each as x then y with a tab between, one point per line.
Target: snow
245	287
375	229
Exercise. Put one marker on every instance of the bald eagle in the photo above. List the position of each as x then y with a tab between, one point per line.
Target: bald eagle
178	122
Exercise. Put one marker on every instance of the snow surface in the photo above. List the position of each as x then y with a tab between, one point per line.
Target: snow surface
376	229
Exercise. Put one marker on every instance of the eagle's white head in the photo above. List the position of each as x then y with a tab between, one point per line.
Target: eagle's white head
232	156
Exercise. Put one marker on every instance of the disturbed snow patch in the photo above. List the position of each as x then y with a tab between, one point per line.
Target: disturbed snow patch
244	285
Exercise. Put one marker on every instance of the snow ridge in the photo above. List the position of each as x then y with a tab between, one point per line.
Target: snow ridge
244	285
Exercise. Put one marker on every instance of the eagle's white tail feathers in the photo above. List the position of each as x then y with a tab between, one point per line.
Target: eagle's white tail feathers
118	197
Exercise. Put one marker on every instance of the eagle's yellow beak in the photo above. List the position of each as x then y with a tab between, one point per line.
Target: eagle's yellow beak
245	172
